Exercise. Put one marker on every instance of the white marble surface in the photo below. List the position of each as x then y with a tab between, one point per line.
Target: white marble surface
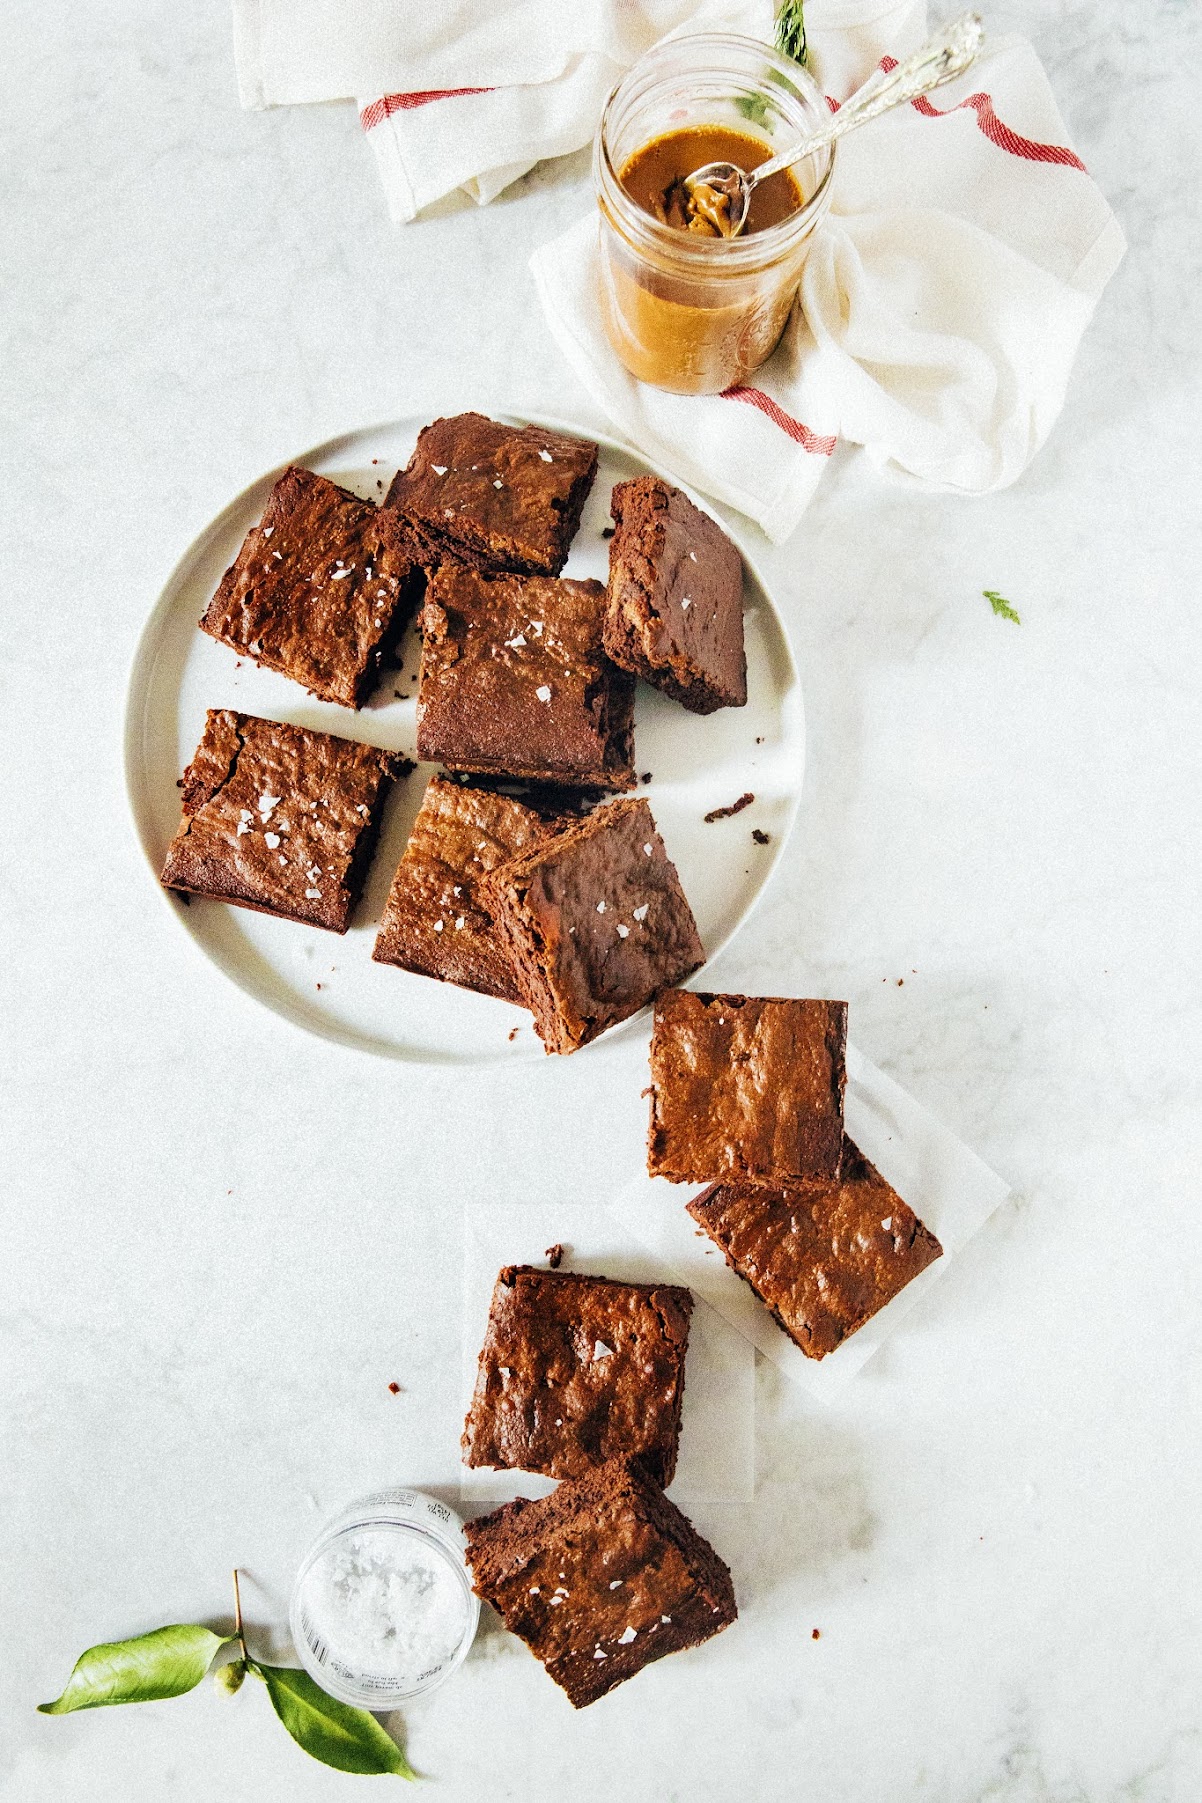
222	1239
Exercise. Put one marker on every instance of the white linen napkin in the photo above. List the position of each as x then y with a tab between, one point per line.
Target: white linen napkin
939	313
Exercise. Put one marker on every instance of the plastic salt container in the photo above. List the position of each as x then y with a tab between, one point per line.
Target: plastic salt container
382	1609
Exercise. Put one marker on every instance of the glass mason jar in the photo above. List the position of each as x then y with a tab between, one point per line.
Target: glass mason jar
696	314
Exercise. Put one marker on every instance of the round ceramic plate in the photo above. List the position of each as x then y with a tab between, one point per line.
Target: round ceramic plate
329	984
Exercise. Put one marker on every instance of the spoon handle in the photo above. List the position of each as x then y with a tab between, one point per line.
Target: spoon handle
940	59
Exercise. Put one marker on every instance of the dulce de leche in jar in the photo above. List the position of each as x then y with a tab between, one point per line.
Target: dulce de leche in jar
684	307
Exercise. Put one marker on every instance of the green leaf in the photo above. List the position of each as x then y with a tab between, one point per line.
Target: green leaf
350	1739
791	30
163	1664
753	107
1000	605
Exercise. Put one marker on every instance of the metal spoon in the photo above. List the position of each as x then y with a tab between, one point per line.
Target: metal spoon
721	192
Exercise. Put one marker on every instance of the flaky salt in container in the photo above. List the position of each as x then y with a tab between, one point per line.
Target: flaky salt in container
383	1609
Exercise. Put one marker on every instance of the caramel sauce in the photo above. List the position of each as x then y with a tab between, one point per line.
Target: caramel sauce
654	177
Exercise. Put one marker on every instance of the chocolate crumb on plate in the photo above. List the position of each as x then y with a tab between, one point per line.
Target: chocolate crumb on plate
736	807
761	838
554	1255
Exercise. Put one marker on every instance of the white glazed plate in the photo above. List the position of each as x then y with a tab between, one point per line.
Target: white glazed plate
329	984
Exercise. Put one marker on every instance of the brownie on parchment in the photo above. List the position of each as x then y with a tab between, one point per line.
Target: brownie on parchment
746	1089
823	1257
321	590
576	1370
280	819
596	923
600	1578
675	608
497	497
514	681
435	921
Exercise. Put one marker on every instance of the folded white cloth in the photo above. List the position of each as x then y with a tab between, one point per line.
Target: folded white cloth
459	96
940	308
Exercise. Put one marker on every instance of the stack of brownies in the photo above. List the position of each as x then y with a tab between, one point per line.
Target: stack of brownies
582	1379
515	882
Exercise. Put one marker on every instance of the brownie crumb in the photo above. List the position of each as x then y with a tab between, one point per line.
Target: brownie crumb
814	1634
760	740
761	838
554	1255
645	777
645	1092
318	985
395	1390
179	782
900	982
607	532
380	484
736	807
514	1033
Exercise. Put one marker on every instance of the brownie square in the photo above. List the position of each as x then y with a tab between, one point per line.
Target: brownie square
746	1088
280	819
435	921
823	1257
514	681
500	497
321	590
600	1578
675	608
577	1370
596	923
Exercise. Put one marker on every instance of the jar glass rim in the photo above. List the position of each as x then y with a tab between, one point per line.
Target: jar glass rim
711	257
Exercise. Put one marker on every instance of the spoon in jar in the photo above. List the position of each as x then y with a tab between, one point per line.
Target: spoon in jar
720	193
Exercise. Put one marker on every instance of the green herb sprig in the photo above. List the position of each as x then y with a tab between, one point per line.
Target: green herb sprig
790	41
173	1660
791	31
1000	605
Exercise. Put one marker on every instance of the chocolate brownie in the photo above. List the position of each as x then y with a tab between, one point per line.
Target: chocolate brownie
600	1578
499	497
746	1088
514	681
321	590
576	1370
596	923
280	819
435	921
823	1257
675	610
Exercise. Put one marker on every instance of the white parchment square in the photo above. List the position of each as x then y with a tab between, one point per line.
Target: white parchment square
716	1464
946	1185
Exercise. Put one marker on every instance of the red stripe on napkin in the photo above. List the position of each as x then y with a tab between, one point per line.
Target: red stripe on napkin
799	433
994	129
382	109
